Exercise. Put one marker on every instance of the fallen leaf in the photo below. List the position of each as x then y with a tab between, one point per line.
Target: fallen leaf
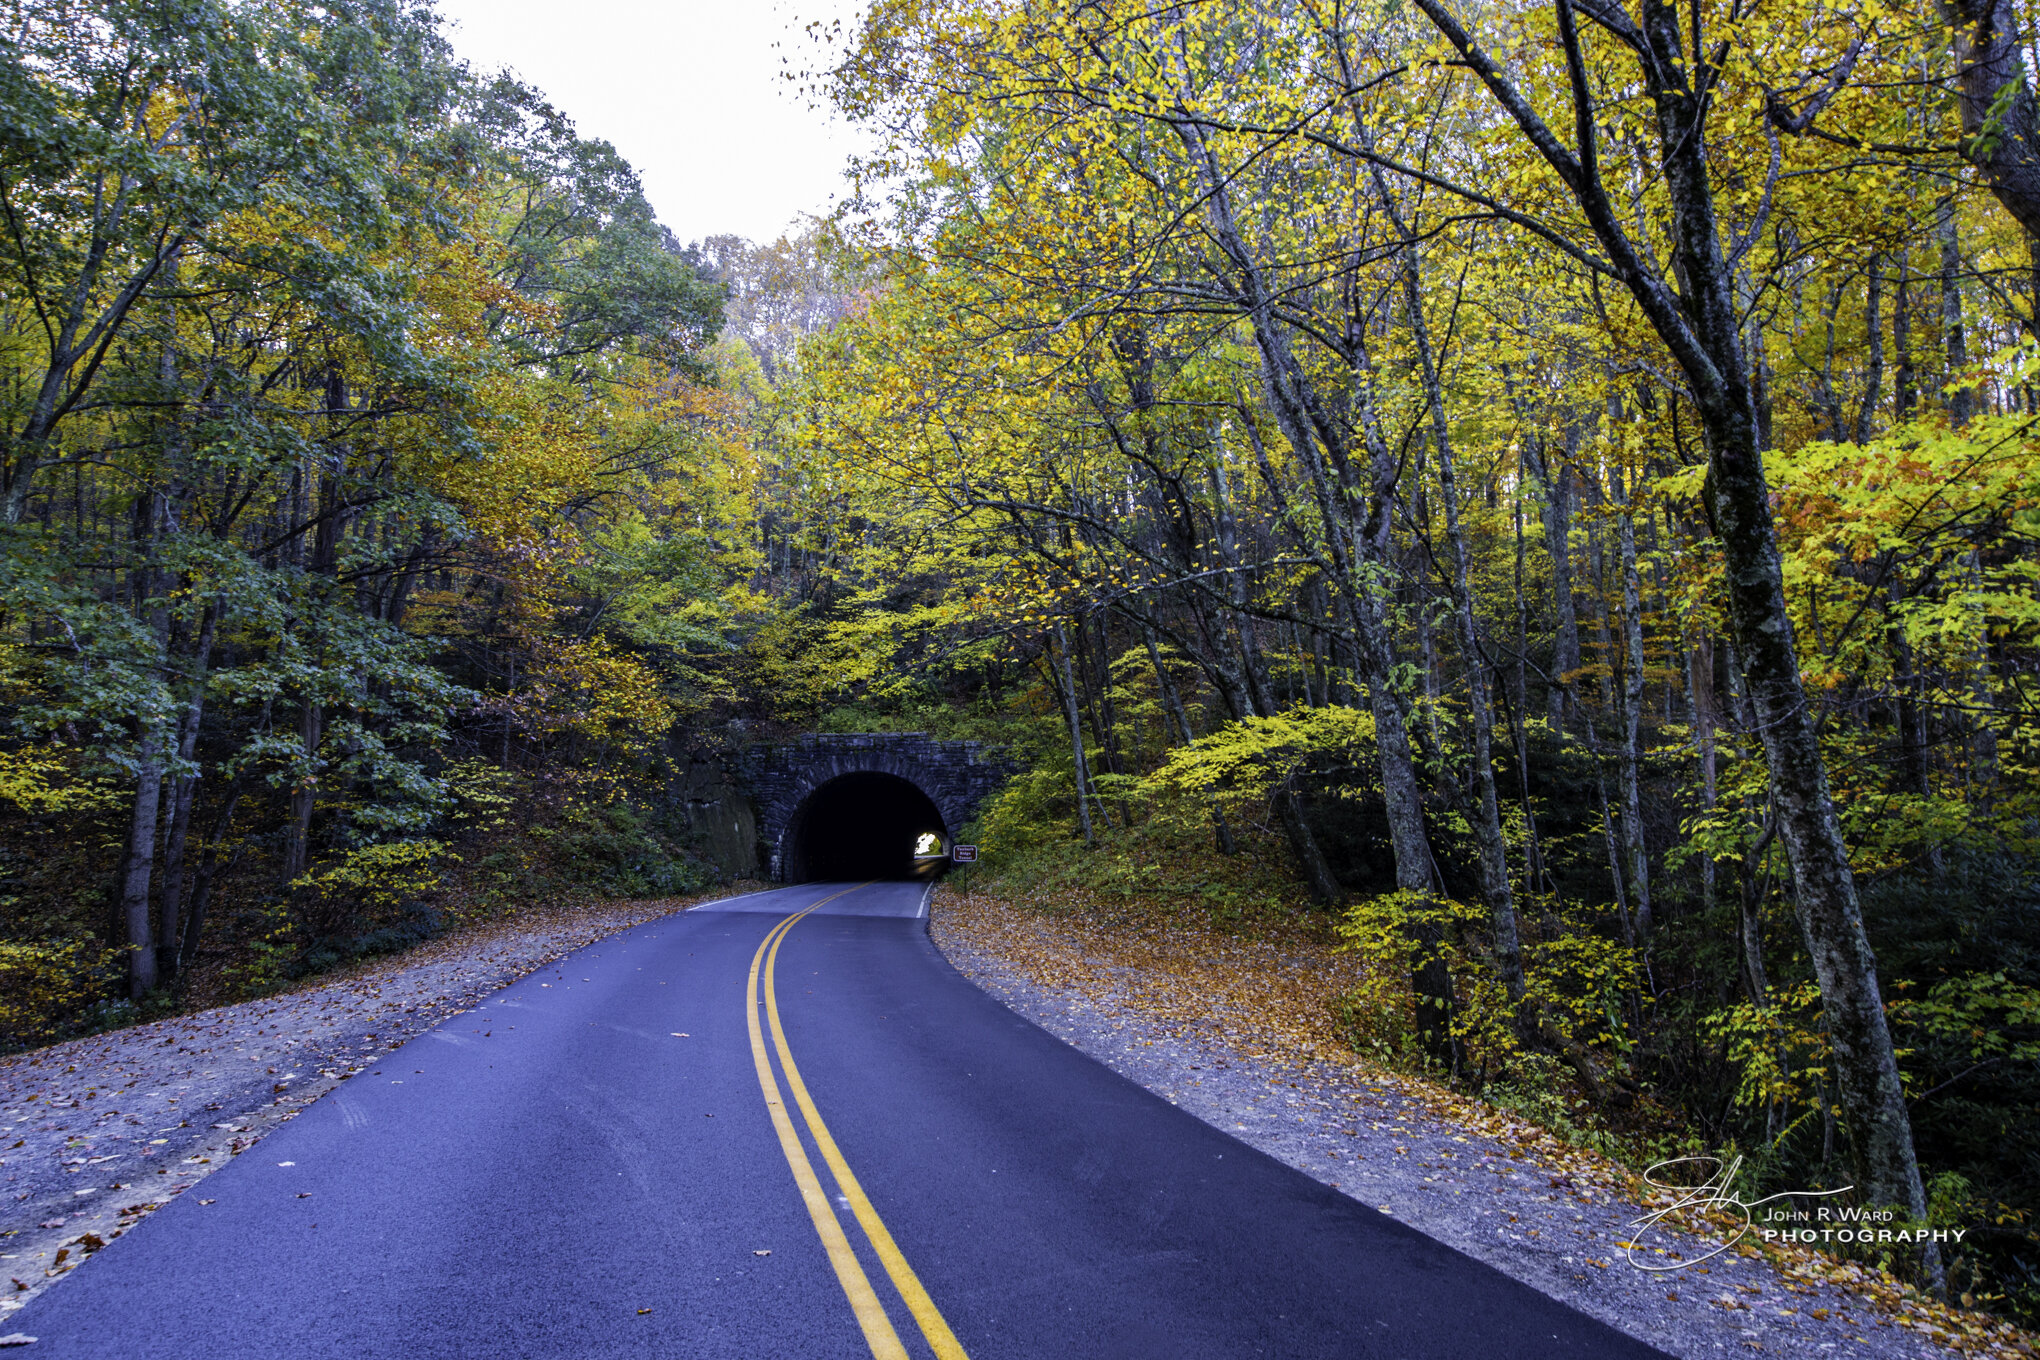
642	1311
17	1339
766	1252
676	1034
52	1223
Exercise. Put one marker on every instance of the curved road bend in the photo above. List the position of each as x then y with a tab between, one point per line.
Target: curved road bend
597	1160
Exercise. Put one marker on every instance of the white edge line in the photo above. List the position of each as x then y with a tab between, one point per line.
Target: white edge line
927	895
740	897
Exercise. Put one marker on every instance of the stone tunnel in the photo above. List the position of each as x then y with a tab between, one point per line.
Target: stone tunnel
838	807
857	806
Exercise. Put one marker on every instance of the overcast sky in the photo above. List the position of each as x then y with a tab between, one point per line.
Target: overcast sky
691	92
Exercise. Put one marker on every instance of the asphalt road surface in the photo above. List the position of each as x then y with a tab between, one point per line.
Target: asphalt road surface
722	1134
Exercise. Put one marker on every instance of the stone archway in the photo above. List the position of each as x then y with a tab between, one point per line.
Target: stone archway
951	778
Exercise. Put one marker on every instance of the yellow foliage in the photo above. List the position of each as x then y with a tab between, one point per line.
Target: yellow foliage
378	876
43	779
46	986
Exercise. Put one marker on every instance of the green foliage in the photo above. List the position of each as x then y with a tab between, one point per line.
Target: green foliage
1577	980
44	779
1242	763
615	848
1385	930
360	444
376	877
1987	1015
270	948
1777	1048
407	924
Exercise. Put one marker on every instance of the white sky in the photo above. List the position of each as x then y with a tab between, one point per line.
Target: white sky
690	91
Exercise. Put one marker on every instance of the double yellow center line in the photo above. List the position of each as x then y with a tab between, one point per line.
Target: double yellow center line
864	1301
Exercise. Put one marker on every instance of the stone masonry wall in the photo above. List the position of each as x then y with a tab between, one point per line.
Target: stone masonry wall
956	775
717	810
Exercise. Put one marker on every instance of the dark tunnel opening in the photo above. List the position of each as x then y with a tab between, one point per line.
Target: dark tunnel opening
861	826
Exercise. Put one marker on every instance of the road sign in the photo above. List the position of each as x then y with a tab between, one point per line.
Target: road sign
964	854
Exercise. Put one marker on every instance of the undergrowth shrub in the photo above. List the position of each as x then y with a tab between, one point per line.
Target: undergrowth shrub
47	989
1576	982
618	848
414	923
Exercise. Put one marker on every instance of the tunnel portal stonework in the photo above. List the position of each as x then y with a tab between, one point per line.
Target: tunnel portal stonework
956	776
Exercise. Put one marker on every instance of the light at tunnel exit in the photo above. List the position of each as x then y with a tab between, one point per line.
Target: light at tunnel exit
928	844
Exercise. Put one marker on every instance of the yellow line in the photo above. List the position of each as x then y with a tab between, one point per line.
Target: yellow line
878	1329
940	1338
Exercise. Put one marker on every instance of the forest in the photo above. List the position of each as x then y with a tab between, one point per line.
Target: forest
1544	494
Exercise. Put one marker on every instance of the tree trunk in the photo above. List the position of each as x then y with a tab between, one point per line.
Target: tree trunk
1069	698
1534	876
1486	813
303	795
202	879
1873	371
170	900
1700	700
2000	117
1954	340
1708	344
1557	508
1636	855
139	865
1310	860
184	792
1358	519
1905	383
1095	676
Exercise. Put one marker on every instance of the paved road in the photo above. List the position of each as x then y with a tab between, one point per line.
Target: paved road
597	1161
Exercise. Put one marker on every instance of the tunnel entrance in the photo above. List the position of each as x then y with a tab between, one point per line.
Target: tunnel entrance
864	825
